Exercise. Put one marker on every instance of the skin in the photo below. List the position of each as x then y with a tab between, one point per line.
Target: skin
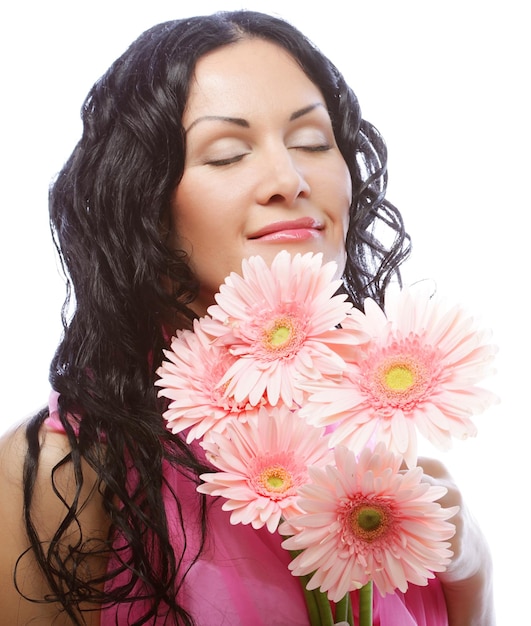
239	178
467	582
260	153
16	610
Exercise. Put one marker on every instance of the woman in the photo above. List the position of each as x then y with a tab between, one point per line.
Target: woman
209	140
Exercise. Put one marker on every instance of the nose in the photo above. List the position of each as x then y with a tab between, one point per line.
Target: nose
281	181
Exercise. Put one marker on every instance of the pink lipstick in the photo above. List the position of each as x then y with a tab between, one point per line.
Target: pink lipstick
289	230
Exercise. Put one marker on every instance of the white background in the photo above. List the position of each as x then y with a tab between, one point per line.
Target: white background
447	85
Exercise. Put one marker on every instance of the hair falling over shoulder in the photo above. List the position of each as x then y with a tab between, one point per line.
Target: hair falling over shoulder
109	211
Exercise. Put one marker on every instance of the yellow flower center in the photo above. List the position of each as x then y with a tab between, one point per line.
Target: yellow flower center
399	377
369	521
401	374
279	335
282	337
369	518
275	479
276	475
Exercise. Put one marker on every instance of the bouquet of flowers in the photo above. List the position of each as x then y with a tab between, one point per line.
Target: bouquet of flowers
309	409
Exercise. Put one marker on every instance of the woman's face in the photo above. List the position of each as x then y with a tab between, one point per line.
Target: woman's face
262	172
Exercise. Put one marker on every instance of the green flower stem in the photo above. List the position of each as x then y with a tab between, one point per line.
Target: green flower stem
317	603
365	618
344	610
325	610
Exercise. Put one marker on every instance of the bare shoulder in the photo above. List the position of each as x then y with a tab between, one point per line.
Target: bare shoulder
19	574
12	454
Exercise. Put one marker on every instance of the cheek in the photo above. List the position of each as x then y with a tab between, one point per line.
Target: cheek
202	228
348	186
188	216
341	185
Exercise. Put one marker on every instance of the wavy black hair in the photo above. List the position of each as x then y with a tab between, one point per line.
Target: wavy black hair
109	212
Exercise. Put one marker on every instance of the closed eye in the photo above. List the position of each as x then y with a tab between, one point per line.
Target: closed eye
316	148
226	161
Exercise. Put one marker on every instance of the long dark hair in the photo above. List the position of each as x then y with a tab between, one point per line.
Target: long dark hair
109	211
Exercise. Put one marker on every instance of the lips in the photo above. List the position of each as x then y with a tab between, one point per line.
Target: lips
290	229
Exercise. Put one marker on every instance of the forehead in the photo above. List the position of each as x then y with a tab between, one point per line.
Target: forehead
252	76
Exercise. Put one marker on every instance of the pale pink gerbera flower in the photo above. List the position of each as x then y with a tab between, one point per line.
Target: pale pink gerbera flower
419	371
366	520
279	322
263	462
189	378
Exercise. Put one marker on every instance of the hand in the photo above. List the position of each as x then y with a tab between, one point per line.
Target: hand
467	582
436	474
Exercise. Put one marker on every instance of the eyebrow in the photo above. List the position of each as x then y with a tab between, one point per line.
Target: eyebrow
305	110
243	123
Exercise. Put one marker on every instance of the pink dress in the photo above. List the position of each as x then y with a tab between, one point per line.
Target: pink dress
242	577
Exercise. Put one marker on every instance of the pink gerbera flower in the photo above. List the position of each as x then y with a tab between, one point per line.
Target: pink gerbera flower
365	520
280	323
263	462
419	371
189	379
